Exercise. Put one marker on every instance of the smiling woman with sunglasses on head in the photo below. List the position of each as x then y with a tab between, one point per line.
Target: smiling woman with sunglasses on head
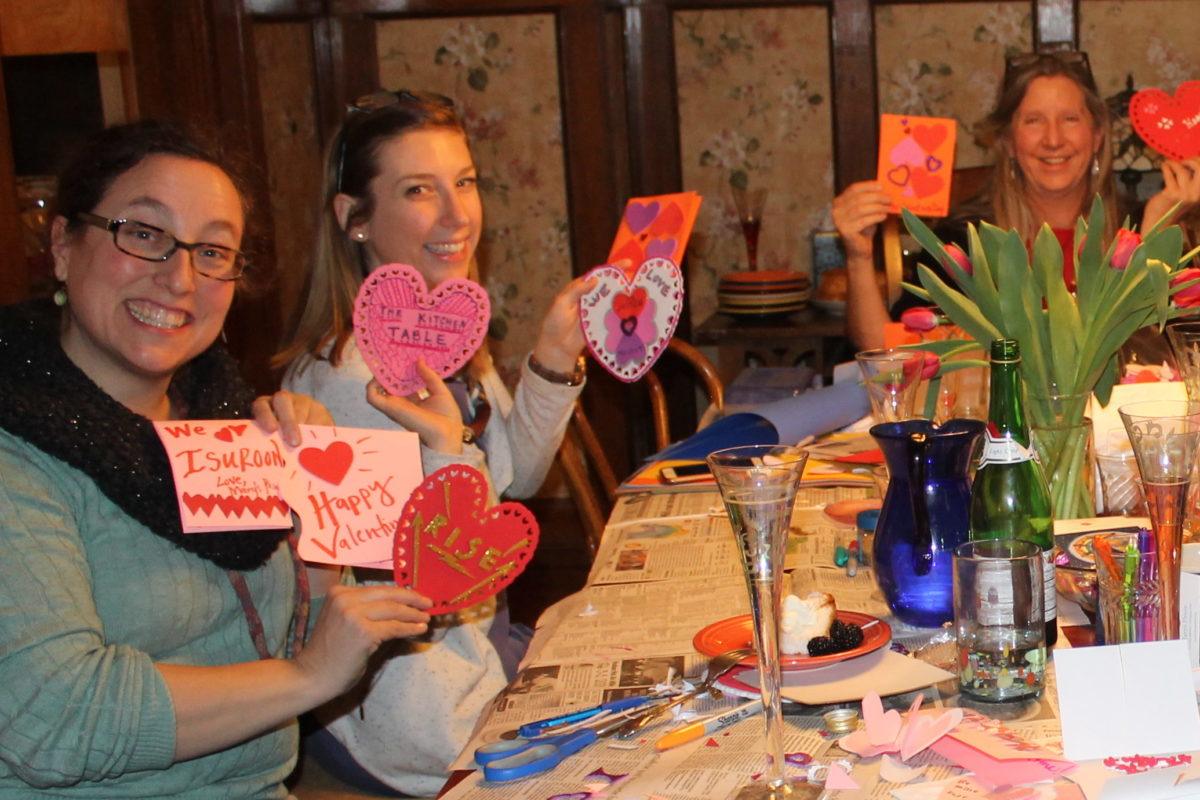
138	661
1050	137
401	186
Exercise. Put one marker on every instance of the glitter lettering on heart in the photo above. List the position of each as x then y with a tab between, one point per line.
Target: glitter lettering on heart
627	322
397	321
1169	123
455	550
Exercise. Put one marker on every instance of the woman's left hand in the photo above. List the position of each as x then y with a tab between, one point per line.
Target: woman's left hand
561	339
1181	184
286	412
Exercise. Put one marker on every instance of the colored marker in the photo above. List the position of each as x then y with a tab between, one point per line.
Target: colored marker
694	730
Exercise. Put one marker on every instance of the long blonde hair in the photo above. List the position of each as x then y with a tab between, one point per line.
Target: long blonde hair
323	321
1010	204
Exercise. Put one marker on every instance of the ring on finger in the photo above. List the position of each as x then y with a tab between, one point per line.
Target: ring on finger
422	394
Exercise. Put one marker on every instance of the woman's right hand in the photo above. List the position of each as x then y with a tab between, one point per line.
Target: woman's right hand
354	622
435	418
856	212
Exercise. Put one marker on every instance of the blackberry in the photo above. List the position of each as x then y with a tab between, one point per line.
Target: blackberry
821	646
845	636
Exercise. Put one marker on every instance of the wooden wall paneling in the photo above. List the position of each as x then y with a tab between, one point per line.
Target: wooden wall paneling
348	65
38	27
14	272
855	95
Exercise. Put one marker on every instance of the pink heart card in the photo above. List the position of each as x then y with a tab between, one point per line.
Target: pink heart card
996	755
628	319
347	487
654	227
454	549
227	475
1169	123
398	321
916	162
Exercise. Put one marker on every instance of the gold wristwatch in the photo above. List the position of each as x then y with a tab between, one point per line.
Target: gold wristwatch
563	379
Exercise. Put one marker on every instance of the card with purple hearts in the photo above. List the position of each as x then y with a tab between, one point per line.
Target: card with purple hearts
916	162
654	227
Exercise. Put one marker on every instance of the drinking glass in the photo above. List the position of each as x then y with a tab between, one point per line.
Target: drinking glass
1127	572
892	378
750	204
1166	439
1185	344
998	619
758	484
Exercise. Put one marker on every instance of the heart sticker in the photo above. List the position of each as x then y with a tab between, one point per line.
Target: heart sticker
1169	123
397	321
455	550
329	464
626	321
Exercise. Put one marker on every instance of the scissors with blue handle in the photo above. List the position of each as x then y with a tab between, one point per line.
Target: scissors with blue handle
519	758
531	729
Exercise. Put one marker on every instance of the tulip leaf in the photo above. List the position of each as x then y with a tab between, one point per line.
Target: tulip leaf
933	245
1163	221
1108	379
912	288
943	348
1062	313
985	295
958	308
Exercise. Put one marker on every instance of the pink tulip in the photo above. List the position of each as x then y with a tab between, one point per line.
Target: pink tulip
933	363
1189	297
919	319
1127	242
956	253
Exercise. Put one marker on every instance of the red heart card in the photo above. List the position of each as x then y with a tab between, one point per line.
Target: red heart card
628	321
1169	123
397	321
455	550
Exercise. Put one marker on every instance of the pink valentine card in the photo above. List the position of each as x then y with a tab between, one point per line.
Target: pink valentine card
453	548
654	227
397	321
1169	123
347	486
916	161
996	755
227	475
628	320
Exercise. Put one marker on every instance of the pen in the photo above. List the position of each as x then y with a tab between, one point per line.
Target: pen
1146	574
1131	569
694	730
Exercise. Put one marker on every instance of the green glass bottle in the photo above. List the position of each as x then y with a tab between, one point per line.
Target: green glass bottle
1010	498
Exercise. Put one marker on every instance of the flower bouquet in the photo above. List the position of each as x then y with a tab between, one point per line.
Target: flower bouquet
1069	341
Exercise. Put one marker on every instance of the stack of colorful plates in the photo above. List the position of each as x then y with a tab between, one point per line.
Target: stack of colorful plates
764	292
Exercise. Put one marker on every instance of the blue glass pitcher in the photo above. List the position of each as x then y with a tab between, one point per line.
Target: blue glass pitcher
924	515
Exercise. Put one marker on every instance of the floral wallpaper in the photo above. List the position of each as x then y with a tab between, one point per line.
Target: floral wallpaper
947	60
501	70
754	110
1155	41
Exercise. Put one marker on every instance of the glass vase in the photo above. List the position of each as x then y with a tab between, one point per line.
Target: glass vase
1062	437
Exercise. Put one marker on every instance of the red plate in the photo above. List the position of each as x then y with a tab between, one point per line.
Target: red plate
730	634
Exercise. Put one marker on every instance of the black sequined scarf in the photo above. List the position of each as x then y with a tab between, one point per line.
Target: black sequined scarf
50	403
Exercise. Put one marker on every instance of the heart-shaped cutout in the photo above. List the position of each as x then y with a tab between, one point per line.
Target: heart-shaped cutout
898	175
225	435
661	248
639	216
629	256
628	321
882	727
330	463
924	184
397	321
1169	123
668	223
925	728
929	136
455	550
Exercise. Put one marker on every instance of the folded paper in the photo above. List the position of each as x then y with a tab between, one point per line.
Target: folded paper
916	162
996	755
654	227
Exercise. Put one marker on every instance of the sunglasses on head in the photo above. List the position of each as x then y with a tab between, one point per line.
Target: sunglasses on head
1075	61
377	101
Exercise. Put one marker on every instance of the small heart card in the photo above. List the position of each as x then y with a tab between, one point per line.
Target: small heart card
654	227
628	319
916	161
452	548
397	321
1169	123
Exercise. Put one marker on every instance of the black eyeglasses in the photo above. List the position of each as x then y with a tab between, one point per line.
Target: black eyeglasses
376	101
1075	61
154	244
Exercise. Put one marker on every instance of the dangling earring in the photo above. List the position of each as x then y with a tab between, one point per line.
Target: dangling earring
60	296
1095	166
360	237
1012	169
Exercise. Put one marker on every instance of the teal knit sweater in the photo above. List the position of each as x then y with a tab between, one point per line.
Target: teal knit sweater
89	600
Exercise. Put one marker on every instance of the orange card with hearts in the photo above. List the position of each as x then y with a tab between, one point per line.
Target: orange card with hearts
916	161
347	486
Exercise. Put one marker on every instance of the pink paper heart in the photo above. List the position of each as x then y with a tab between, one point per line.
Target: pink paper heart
397	321
638	216
923	729
882	728
627	321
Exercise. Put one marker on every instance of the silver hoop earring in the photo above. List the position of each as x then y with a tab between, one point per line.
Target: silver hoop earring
60	296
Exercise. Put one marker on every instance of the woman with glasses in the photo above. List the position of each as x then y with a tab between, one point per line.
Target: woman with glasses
138	661
1050	138
401	186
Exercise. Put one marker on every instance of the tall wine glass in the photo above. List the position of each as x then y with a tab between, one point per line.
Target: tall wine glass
758	484
1185	345
1166	440
750	204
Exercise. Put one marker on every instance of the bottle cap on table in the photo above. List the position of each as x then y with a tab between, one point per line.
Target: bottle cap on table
841	720
866	520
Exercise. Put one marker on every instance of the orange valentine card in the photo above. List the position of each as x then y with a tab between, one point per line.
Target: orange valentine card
654	227
916	160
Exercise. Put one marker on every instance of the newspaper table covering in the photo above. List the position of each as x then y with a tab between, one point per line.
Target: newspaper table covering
631	629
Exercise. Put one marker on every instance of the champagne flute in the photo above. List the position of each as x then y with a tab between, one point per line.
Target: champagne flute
750	204
758	484
1185	346
1166	440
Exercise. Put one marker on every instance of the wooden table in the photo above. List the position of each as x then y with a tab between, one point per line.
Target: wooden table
810	335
